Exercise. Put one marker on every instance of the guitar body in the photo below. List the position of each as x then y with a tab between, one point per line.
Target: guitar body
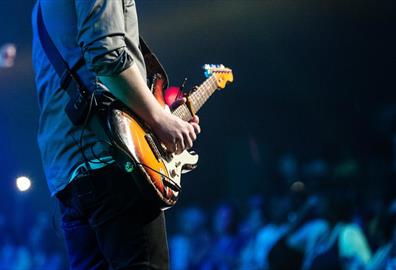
160	172
137	150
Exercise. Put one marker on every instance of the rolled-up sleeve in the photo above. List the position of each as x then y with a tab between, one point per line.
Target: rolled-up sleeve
101	33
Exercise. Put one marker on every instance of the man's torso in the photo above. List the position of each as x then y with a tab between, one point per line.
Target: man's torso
57	136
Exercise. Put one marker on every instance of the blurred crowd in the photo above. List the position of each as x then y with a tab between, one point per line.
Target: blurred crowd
36	245
287	232
278	232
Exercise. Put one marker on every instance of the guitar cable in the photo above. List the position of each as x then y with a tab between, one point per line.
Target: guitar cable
81	140
168	183
171	183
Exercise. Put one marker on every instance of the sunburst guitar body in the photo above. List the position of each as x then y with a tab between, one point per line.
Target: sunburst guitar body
139	151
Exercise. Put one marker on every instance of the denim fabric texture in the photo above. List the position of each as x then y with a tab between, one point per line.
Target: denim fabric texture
109	225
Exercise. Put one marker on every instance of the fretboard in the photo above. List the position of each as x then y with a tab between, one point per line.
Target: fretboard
197	98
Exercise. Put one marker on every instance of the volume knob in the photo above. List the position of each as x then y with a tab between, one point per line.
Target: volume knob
173	173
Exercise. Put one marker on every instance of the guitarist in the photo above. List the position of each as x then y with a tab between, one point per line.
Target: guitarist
106	222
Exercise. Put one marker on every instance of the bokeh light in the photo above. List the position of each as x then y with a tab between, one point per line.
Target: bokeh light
23	183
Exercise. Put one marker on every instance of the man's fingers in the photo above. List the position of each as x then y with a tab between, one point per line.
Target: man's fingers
195	119
183	138
180	145
188	142
177	103
197	128
171	148
195	123
193	136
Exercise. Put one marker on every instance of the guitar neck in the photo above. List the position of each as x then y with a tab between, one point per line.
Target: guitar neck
197	99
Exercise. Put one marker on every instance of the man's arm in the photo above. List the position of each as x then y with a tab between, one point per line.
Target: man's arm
101	33
131	89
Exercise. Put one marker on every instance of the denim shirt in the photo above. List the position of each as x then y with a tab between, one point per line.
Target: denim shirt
105	33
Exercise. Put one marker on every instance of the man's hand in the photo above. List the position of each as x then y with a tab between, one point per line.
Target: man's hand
176	134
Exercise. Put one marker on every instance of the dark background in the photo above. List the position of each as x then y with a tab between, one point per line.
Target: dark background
314	84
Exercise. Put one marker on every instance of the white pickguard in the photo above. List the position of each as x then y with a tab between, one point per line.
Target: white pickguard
178	164
175	165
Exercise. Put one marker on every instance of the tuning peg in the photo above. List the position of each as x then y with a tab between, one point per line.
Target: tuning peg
208	73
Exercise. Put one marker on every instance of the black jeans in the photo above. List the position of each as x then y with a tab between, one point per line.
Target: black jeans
108	224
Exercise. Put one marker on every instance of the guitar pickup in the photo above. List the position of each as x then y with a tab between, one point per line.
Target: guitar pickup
153	146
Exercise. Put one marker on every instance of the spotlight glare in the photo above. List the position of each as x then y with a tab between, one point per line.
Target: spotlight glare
23	183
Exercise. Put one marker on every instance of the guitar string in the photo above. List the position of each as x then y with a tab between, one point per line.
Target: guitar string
199	95
202	96
206	94
198	98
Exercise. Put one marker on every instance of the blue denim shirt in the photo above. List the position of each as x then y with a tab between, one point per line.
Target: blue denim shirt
105	33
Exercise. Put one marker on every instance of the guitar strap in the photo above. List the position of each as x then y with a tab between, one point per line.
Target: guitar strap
77	89
153	65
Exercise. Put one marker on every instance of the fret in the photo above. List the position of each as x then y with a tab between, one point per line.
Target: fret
201	95
182	112
197	99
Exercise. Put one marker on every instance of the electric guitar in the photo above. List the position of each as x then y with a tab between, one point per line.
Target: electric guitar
137	148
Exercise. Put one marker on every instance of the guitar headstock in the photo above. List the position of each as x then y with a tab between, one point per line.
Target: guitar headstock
222	74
